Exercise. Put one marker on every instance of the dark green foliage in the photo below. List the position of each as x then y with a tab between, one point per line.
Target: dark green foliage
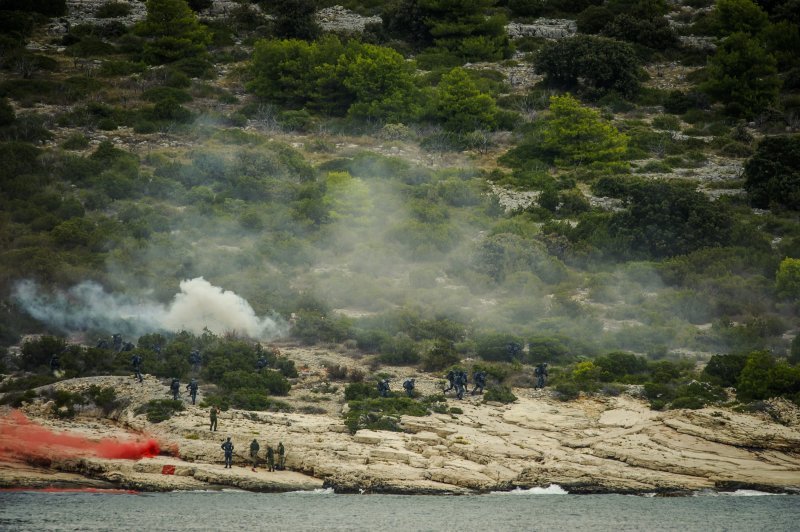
458	31
441	355
50	8
313	327
27	383
696	395
743	76
663	218
724	370
772	174
732	16
794	351
64	402
460	106
400	350
588	62
621	367
36	353
500	394
764	377
294	19
381	413
159	410
499	347
360	390
7	115
172	32
361	80
499	256
113	10
104	398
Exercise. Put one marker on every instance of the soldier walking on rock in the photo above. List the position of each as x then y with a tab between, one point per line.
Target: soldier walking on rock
192	387
175	387
254	453
136	360
227	446
281	457
214	412
270	458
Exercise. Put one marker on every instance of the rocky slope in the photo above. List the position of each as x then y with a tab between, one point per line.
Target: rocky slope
594	444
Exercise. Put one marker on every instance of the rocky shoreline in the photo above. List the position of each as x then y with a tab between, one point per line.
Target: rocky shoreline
591	445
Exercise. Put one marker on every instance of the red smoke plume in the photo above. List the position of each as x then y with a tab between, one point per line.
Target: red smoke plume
21	439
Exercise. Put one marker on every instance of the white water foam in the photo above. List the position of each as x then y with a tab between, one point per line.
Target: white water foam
737	493
552	489
317	491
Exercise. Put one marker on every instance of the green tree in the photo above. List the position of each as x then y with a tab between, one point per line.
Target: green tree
461	106
743	76
586	61
772	174
382	84
764	377
662	219
463	28
787	279
294	19
579	135
732	16
172	32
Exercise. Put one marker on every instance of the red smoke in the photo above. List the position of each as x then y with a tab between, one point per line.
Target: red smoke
22	439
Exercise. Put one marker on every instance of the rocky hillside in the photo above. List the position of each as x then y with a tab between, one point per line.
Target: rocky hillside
593	444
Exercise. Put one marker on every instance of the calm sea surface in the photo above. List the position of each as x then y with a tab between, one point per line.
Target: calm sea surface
322	510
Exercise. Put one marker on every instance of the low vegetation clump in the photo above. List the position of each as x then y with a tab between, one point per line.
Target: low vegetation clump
159	410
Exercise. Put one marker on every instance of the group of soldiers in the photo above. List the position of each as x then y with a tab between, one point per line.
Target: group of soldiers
383	387
458	381
116	344
227	447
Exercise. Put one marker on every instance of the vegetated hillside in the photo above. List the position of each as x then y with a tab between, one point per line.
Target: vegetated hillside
619	178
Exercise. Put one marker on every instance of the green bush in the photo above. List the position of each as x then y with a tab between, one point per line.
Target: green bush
441	355
743	76
159	410
381	413
113	10
772	174
500	394
76	141
595	63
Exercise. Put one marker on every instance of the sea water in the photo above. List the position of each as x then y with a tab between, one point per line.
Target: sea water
536	509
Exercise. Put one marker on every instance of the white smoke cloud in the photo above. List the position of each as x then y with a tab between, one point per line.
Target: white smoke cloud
199	305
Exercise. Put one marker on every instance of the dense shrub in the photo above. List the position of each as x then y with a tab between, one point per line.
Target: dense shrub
159	410
172	32
772	174
743	76
571	135
595	63
724	370
500	394
662	219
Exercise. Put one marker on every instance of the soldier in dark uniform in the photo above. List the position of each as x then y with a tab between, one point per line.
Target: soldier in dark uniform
480	382
213	413
175	387
281	457
261	363
540	372
102	344
195	359
55	363
451	377
408	385
192	387
254	453
127	346
383	388
116	341
136	362
270	458
227	446
459	383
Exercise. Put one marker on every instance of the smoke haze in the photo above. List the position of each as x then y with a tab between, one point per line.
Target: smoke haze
198	305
